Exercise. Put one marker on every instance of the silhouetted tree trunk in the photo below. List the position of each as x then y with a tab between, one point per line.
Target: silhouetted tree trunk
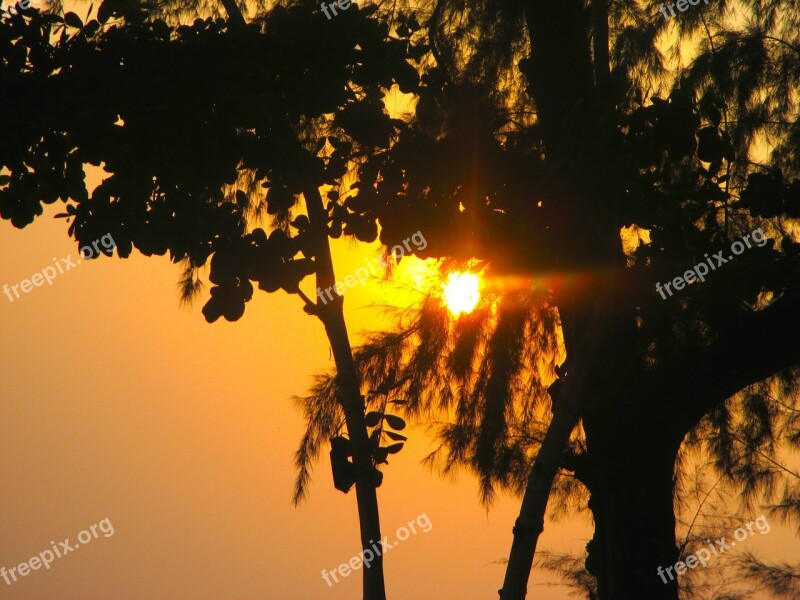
562	81
567	405
629	473
583	335
530	522
332	316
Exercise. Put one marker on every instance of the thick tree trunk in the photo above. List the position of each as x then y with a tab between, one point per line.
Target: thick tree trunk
630	478
332	316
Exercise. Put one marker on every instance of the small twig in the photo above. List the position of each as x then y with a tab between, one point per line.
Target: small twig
699	508
772	460
311	307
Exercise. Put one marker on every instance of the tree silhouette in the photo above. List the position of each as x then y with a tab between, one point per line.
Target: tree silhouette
203	129
553	141
557	135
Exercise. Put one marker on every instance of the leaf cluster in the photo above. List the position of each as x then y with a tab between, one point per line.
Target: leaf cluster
199	128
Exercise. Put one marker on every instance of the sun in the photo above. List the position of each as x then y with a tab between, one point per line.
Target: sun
461	292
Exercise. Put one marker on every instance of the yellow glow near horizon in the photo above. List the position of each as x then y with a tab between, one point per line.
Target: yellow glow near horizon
461	292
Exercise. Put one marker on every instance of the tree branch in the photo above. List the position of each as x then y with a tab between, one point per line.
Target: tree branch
235	16
749	349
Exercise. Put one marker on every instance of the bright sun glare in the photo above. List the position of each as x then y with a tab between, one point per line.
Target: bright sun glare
461	292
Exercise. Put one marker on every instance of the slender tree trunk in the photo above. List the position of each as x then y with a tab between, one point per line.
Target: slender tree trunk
583	333
630	478
530	522
332	316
